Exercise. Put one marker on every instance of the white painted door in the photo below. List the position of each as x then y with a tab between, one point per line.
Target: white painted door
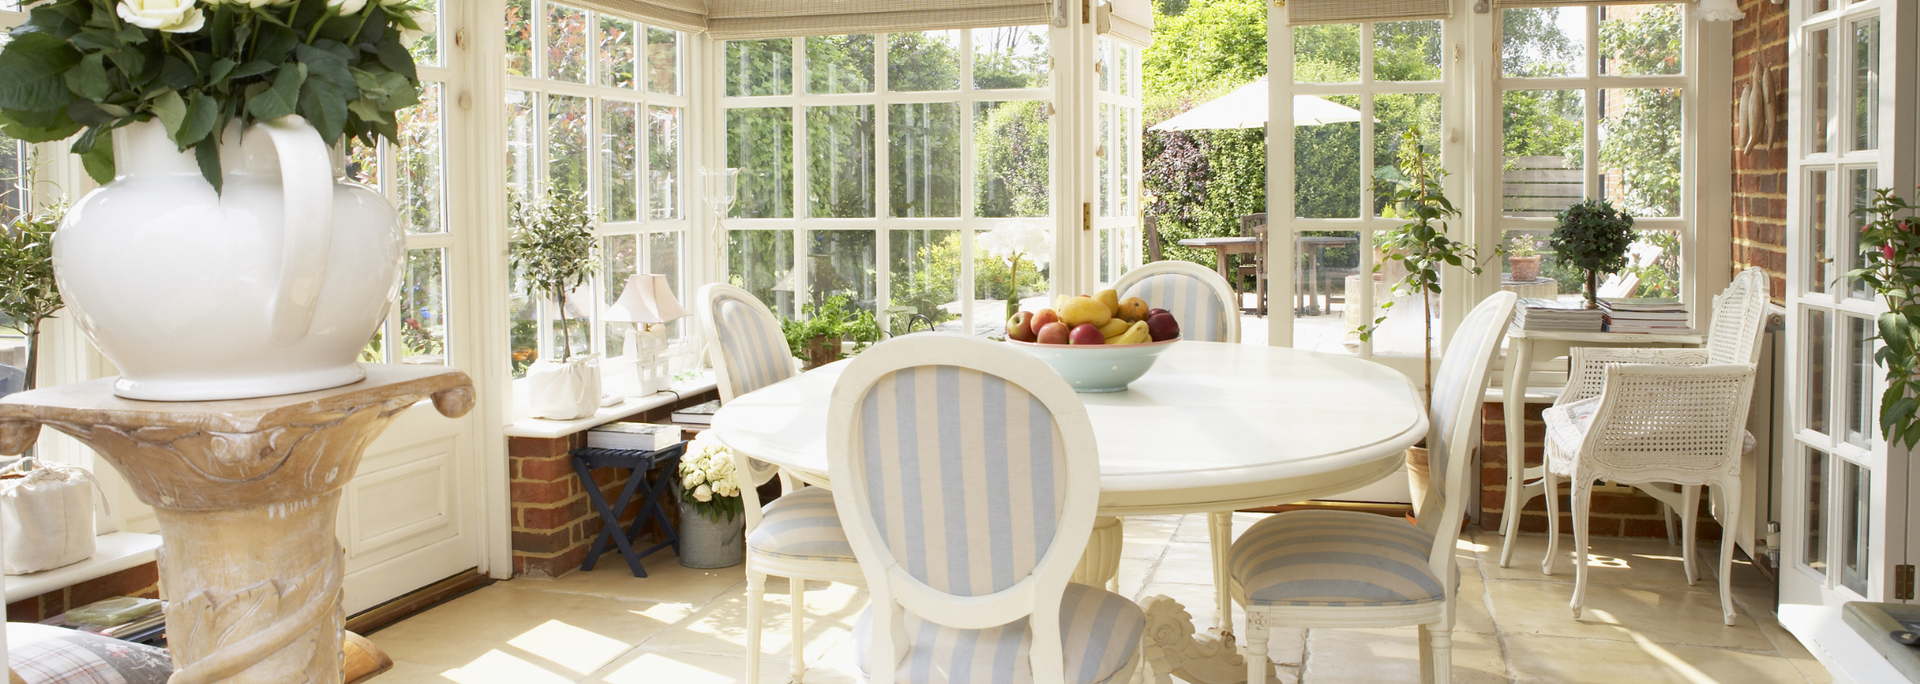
411	515
1851	130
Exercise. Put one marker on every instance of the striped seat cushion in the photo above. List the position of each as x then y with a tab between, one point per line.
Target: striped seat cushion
1335	558
1099	632
802	525
1201	312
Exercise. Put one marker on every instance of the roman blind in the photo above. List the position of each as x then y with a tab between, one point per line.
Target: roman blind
746	19
682	15
1565	3
1350	11
1132	20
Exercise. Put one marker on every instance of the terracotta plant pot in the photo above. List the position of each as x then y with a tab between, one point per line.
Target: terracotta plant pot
822	351
1524	268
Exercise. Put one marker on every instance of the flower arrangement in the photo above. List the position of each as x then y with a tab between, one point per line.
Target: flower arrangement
1523	245
91	66
708	481
1014	240
1890	252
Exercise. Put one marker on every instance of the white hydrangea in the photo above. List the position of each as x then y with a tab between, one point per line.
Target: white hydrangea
703	493
707	469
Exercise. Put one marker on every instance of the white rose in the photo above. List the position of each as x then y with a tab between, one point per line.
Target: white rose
693	480
726	489
703	494
170	16
346	7
409	36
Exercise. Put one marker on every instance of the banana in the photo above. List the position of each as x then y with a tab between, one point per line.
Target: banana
1137	334
1114	328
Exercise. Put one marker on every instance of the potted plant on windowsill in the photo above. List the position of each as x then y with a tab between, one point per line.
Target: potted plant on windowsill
554	246
1523	258
1890	248
818	339
1593	236
29	293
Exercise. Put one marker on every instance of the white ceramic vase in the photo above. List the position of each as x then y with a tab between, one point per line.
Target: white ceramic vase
273	286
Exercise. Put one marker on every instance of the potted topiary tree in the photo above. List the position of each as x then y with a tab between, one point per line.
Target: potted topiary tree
555	250
1593	236
28	293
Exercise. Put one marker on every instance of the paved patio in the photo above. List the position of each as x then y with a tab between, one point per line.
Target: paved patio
1643	623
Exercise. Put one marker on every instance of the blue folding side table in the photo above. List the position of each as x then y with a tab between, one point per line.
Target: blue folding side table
651	504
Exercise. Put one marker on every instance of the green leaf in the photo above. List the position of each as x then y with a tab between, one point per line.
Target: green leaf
252	68
30	72
38	127
330	67
281	99
177	74
220	70
88	79
395	57
323	106
89	113
207	155
202	112
99	163
172	111
274	43
365	110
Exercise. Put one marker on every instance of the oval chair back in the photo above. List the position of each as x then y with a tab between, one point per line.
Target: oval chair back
966	475
1199	298
1739	319
1453	419
748	349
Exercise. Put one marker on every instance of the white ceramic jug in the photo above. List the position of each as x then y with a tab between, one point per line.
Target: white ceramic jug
270	287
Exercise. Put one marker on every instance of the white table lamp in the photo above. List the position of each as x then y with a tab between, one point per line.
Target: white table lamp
648	304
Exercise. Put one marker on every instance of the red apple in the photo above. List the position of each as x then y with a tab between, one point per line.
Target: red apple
1151	312
1041	318
1087	333
1161	327
1017	328
1053	333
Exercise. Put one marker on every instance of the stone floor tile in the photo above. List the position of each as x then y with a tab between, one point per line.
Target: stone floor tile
1340	656
567	634
1619	562
1133	576
1186	563
720	628
666	581
1471	614
1662	615
651	666
1575	661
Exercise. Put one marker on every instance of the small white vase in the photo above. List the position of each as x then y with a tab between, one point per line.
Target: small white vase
564	390
273	286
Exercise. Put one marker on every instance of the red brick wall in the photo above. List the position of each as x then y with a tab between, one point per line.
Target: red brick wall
142	581
1760	175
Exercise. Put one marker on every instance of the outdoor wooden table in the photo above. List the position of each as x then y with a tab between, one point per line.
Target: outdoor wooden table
1224	247
1214	427
1319	245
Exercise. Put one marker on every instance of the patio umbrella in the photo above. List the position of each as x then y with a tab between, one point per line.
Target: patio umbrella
1246	107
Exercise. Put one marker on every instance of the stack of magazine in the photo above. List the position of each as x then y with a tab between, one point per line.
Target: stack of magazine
1645	315
1556	316
127	618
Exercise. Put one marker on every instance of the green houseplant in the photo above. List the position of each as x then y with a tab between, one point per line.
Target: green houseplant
1890	251
555	250
1523	257
1593	236
816	338
28	294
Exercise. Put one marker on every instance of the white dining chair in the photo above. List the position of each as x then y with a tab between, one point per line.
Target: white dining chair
967	476
798	536
1351	569
1733	337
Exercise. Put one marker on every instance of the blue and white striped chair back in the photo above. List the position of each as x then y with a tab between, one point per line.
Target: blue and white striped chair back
1459	388
1199	298
748	348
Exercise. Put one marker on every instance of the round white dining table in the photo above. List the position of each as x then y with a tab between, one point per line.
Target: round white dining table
1213	427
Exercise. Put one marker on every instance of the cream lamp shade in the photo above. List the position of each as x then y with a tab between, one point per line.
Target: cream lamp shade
648	299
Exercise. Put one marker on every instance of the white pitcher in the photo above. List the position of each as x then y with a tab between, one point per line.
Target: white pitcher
273	286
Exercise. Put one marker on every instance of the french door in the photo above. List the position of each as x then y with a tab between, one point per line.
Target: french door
1851	130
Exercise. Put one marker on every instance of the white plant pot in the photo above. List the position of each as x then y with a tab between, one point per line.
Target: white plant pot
564	390
271	287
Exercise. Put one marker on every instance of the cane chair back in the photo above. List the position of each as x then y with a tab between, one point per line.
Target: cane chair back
749	350
966	477
1739	319
1198	298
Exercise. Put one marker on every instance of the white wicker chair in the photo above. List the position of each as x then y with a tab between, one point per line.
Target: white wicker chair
966	476
1733	337
1208	311
797	536
1652	423
1351	569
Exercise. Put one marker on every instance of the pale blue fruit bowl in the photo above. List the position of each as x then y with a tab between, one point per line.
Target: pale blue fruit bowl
1098	367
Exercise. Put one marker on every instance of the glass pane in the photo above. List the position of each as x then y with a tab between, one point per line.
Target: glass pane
1125	77
567	119
1820	73
924	150
1819	359
1531	270
840	64
1103	65
1326	303
1106	256
423	309
520	37
374	352
1010	57
1653	266
1640	40
1813	550
1326	164
760	67
1327	53
426	47
1010	147
840	172
663	61
663	162
1861	373
521	150
994	282
566	47
925	272
1819	261
1544	151
1866	84
523	336
1856	494
927	60
1860	191
417	184
15	188
617	52
1123	163
363	166
1394	114
619	160
761	262
1640	140
1406	51
663	257
760	145
619	259
1105	153
1538	42
575	335
842	263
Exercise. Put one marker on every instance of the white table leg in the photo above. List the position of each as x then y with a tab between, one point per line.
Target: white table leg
1100	566
1514	405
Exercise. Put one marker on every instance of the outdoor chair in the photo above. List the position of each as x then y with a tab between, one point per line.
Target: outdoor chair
798	536
967	477
1151	225
1352	569
1254	226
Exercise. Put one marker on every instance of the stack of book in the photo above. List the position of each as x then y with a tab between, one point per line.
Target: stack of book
1645	315
1556	316
123	617
633	436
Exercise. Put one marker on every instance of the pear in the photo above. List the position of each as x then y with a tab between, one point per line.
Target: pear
1111	298
1079	310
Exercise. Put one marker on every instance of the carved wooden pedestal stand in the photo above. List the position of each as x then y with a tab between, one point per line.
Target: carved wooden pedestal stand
247	494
